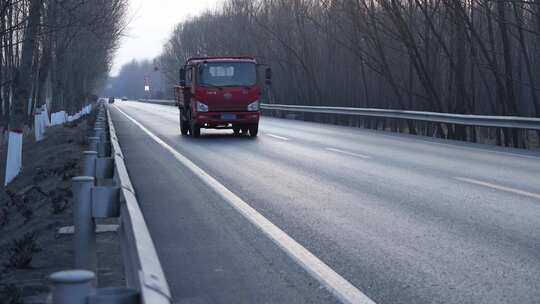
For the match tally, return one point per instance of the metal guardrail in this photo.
(530, 123)
(460, 119)
(144, 270)
(105, 191)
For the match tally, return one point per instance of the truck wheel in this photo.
(195, 130)
(253, 130)
(184, 125)
(236, 131)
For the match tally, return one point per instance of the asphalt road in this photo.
(404, 219)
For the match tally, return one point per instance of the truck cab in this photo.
(220, 93)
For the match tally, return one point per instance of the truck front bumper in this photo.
(223, 119)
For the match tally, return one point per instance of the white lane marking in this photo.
(277, 136)
(347, 153)
(335, 283)
(498, 187)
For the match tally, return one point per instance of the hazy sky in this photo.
(151, 23)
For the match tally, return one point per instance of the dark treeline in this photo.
(130, 81)
(468, 57)
(56, 52)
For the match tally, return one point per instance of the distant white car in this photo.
(124, 98)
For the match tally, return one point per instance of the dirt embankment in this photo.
(34, 206)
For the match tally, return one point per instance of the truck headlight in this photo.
(254, 106)
(201, 107)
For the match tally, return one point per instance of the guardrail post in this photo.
(102, 137)
(114, 295)
(93, 143)
(104, 168)
(72, 286)
(98, 131)
(85, 233)
(105, 202)
(104, 147)
(89, 163)
(100, 122)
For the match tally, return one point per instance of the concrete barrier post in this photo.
(72, 286)
(85, 228)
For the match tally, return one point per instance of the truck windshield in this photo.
(227, 74)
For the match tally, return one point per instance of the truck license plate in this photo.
(228, 116)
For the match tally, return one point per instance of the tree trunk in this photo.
(23, 77)
(22, 82)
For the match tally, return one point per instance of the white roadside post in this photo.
(14, 156)
(38, 125)
(45, 116)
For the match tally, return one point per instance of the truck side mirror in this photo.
(268, 76)
(182, 77)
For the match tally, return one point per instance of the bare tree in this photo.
(56, 52)
(467, 57)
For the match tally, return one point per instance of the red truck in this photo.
(220, 93)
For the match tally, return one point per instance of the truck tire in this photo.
(236, 131)
(195, 130)
(184, 125)
(253, 130)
